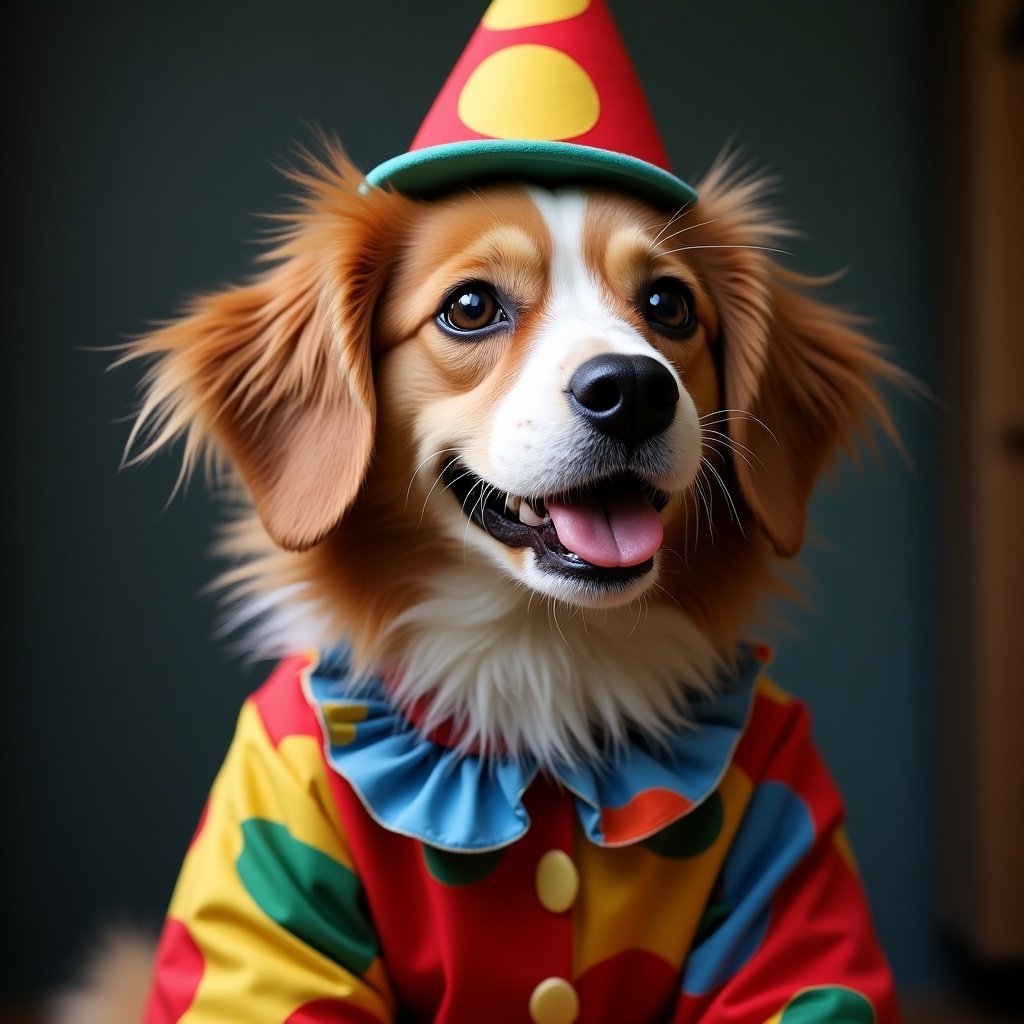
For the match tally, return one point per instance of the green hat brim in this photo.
(426, 173)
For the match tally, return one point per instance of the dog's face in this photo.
(549, 362)
(600, 401)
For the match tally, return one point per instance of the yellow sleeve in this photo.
(267, 922)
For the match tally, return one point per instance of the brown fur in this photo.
(276, 374)
(283, 378)
(313, 385)
(113, 985)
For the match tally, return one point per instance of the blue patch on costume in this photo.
(776, 833)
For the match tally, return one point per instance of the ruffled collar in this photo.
(419, 787)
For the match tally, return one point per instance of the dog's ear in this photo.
(276, 375)
(799, 380)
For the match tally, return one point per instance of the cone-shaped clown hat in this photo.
(543, 92)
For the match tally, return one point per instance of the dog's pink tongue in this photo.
(612, 530)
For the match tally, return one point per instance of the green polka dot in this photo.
(826, 1004)
(310, 895)
(460, 868)
(714, 914)
(692, 834)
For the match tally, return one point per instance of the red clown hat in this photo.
(544, 92)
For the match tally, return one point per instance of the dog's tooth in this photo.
(528, 516)
(512, 503)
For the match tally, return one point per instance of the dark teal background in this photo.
(143, 140)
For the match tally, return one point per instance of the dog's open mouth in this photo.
(608, 530)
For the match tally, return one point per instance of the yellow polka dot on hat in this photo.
(544, 92)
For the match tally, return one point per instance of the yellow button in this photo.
(554, 1001)
(558, 881)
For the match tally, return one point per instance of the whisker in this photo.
(420, 465)
(636, 621)
(465, 541)
(759, 248)
(437, 480)
(481, 504)
(717, 412)
(675, 216)
(686, 532)
(740, 416)
(483, 202)
(553, 616)
(682, 231)
(451, 483)
(725, 490)
(696, 514)
(734, 446)
(457, 479)
(481, 497)
(668, 594)
(707, 500)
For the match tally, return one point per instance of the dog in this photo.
(517, 466)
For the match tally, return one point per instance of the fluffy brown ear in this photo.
(799, 380)
(276, 375)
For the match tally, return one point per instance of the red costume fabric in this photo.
(299, 903)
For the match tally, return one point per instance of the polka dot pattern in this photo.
(529, 92)
(691, 835)
(331, 1011)
(505, 15)
(458, 869)
(542, 71)
(777, 832)
(307, 893)
(179, 970)
(341, 721)
(645, 812)
(824, 1004)
(705, 920)
(651, 979)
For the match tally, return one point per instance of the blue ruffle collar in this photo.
(417, 787)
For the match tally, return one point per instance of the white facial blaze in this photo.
(536, 443)
(535, 436)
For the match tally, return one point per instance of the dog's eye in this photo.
(668, 308)
(471, 308)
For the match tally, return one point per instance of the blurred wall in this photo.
(145, 137)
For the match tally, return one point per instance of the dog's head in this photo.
(599, 401)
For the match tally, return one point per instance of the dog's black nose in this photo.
(630, 398)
